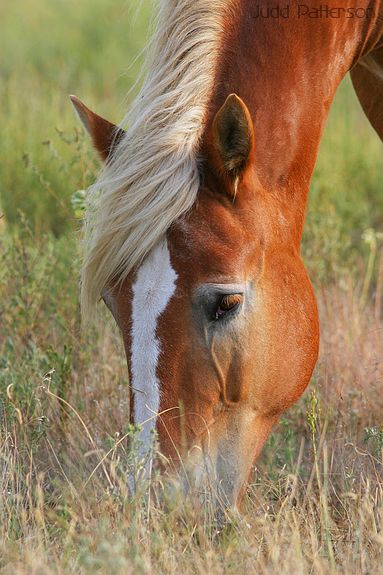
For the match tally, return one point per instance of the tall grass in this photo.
(315, 501)
(50, 49)
(345, 197)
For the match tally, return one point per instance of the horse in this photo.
(194, 225)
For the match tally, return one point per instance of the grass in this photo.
(51, 49)
(315, 502)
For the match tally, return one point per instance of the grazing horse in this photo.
(195, 223)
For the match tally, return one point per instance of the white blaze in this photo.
(154, 286)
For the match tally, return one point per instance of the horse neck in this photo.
(287, 71)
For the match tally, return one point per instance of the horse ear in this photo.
(104, 134)
(232, 140)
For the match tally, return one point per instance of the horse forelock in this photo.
(153, 177)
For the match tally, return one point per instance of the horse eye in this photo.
(226, 304)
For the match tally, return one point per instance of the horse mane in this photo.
(153, 177)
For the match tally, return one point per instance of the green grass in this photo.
(346, 192)
(50, 49)
(315, 502)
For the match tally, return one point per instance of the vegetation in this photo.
(315, 503)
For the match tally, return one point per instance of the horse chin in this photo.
(202, 482)
(217, 466)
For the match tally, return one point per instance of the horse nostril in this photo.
(233, 392)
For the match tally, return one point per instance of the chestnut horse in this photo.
(195, 223)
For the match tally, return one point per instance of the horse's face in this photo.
(222, 316)
(220, 321)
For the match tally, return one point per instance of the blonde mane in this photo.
(153, 178)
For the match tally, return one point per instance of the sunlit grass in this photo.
(50, 49)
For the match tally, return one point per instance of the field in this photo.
(315, 503)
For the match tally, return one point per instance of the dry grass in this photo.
(351, 362)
